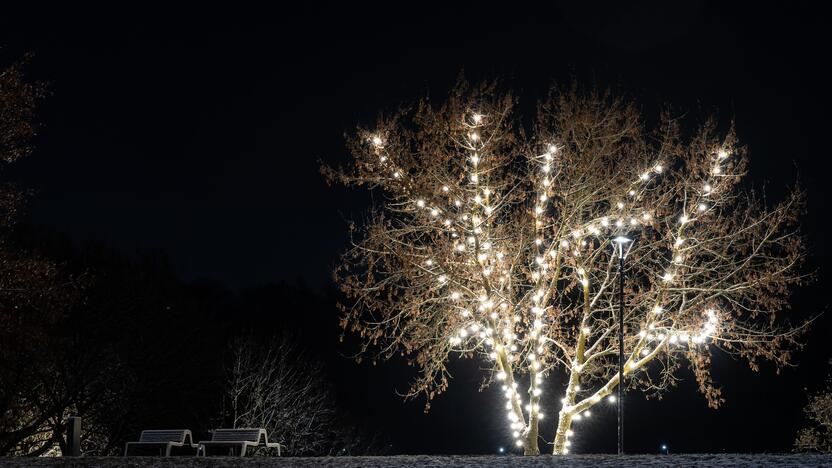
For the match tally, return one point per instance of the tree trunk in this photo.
(564, 423)
(530, 446)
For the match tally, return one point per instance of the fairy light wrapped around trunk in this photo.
(494, 242)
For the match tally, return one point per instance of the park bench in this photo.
(164, 441)
(240, 439)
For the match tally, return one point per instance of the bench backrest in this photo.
(248, 434)
(180, 436)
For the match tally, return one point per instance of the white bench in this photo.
(240, 439)
(164, 440)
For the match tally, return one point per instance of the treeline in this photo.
(127, 345)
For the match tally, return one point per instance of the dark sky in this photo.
(197, 133)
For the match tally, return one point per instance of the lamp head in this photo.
(620, 243)
(622, 240)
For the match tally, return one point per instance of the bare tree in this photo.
(496, 242)
(46, 372)
(275, 385)
(30, 287)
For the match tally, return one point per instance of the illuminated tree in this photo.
(493, 242)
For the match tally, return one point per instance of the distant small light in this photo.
(501, 450)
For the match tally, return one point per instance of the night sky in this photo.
(198, 134)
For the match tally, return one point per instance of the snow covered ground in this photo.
(720, 460)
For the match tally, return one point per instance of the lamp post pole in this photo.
(620, 243)
(621, 353)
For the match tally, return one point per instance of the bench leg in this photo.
(243, 450)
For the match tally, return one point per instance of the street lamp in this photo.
(622, 248)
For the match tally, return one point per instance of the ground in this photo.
(595, 461)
